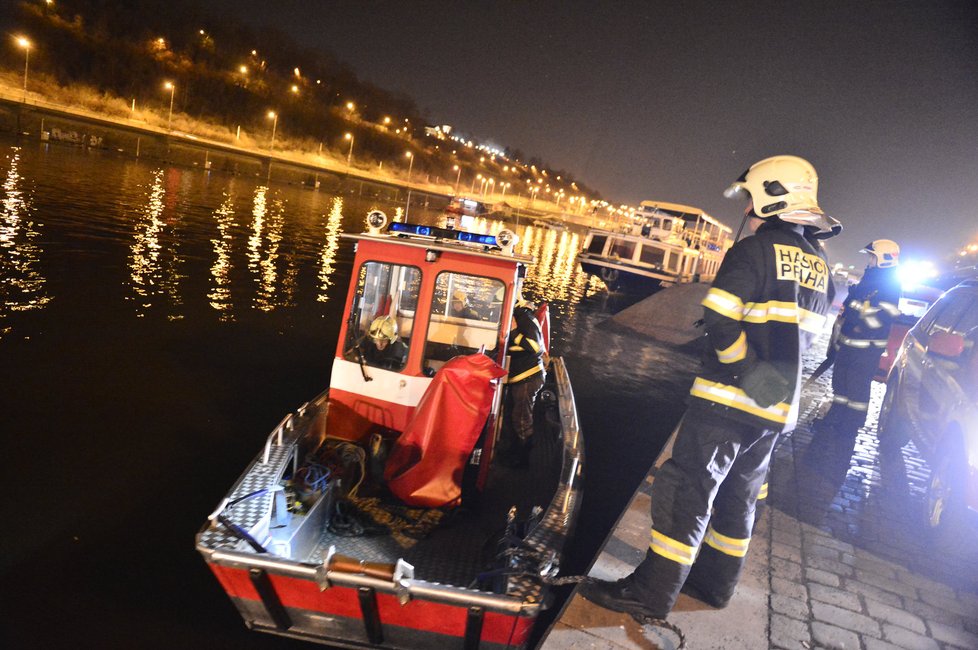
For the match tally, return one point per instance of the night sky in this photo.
(672, 101)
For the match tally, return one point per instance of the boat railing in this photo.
(275, 437)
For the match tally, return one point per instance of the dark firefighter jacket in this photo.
(768, 301)
(525, 346)
(870, 309)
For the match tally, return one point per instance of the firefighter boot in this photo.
(619, 597)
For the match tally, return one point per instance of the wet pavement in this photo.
(841, 557)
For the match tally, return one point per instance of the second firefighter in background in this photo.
(864, 329)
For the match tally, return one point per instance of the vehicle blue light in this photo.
(442, 233)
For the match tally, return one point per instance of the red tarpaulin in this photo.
(425, 466)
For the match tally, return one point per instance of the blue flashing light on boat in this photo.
(442, 233)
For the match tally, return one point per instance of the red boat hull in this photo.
(362, 617)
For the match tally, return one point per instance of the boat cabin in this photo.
(444, 292)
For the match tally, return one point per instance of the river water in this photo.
(156, 322)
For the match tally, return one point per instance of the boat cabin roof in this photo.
(680, 211)
(443, 239)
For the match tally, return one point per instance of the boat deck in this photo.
(452, 547)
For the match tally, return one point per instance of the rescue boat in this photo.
(377, 514)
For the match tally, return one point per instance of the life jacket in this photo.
(767, 303)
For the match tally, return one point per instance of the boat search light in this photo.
(507, 240)
(430, 255)
(375, 221)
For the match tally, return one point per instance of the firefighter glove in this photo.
(765, 385)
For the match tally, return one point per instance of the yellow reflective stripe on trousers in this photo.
(669, 548)
(763, 493)
(727, 545)
(736, 398)
(724, 303)
(736, 352)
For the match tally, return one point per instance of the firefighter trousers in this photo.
(852, 385)
(706, 492)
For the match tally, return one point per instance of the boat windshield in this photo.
(465, 316)
(381, 322)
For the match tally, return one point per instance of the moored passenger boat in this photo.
(666, 244)
(375, 515)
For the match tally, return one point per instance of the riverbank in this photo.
(197, 145)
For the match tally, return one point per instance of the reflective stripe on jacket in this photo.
(870, 308)
(525, 348)
(768, 301)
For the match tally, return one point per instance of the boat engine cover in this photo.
(426, 464)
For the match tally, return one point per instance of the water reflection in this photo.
(556, 277)
(331, 242)
(220, 293)
(22, 285)
(268, 221)
(145, 252)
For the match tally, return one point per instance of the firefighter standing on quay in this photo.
(768, 301)
(864, 329)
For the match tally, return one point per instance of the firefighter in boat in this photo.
(382, 347)
(768, 301)
(866, 317)
(526, 376)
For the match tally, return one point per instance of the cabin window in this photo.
(385, 302)
(597, 244)
(673, 262)
(623, 249)
(465, 317)
(652, 255)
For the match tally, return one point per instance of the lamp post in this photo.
(273, 116)
(169, 119)
(349, 156)
(26, 44)
(407, 207)
(477, 177)
(458, 176)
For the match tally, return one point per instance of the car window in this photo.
(967, 325)
(951, 307)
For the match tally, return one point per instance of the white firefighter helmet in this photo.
(786, 187)
(886, 252)
(383, 328)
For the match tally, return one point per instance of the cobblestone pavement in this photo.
(842, 557)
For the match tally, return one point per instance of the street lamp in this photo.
(477, 177)
(171, 87)
(458, 177)
(409, 156)
(26, 44)
(273, 116)
(349, 156)
(407, 207)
